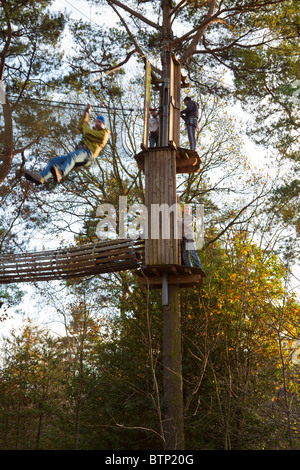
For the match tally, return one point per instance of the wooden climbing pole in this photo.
(163, 268)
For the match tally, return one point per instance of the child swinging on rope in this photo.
(93, 141)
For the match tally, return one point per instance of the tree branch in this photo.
(134, 13)
(231, 223)
(177, 8)
(21, 150)
(137, 47)
(8, 142)
(213, 18)
(7, 42)
(201, 30)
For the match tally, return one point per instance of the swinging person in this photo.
(93, 141)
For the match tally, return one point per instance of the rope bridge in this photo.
(66, 263)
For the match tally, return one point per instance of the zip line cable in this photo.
(66, 104)
(90, 19)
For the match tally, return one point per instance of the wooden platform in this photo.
(187, 161)
(181, 275)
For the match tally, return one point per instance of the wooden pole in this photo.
(172, 351)
(160, 190)
(160, 182)
(172, 361)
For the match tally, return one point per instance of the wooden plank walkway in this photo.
(99, 258)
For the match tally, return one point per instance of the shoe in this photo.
(34, 177)
(57, 174)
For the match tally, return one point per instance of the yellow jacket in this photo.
(93, 139)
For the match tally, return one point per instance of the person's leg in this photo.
(191, 249)
(185, 259)
(191, 130)
(60, 166)
(78, 157)
(55, 161)
(195, 258)
(151, 141)
(66, 163)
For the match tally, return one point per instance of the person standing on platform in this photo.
(190, 115)
(153, 128)
(188, 247)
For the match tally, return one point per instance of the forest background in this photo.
(96, 381)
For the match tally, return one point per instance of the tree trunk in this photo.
(6, 143)
(167, 36)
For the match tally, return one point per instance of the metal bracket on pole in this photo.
(166, 104)
(165, 300)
